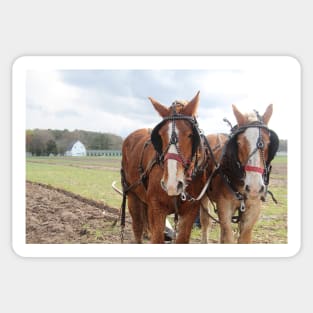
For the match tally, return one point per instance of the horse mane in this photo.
(251, 117)
(178, 106)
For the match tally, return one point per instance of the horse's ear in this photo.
(191, 107)
(160, 108)
(267, 114)
(239, 116)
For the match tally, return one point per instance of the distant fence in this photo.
(108, 153)
(118, 153)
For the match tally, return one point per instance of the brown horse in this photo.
(162, 170)
(240, 181)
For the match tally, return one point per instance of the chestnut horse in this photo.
(241, 178)
(162, 170)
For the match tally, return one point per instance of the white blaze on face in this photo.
(175, 173)
(253, 179)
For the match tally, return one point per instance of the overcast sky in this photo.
(116, 101)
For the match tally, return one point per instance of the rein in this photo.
(126, 188)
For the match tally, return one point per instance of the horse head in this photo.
(253, 146)
(176, 140)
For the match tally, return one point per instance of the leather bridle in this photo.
(163, 154)
(265, 171)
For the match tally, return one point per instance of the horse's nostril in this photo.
(180, 186)
(247, 188)
(163, 185)
(261, 189)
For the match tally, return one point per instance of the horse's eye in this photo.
(190, 135)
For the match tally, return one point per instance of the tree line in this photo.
(43, 142)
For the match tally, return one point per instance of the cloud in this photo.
(116, 101)
(126, 92)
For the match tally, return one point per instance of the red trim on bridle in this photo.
(176, 157)
(249, 168)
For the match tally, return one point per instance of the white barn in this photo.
(76, 149)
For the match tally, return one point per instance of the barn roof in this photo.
(70, 146)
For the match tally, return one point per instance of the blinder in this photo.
(156, 138)
(231, 167)
(273, 145)
(232, 146)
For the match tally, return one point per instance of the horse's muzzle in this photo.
(173, 190)
(253, 193)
